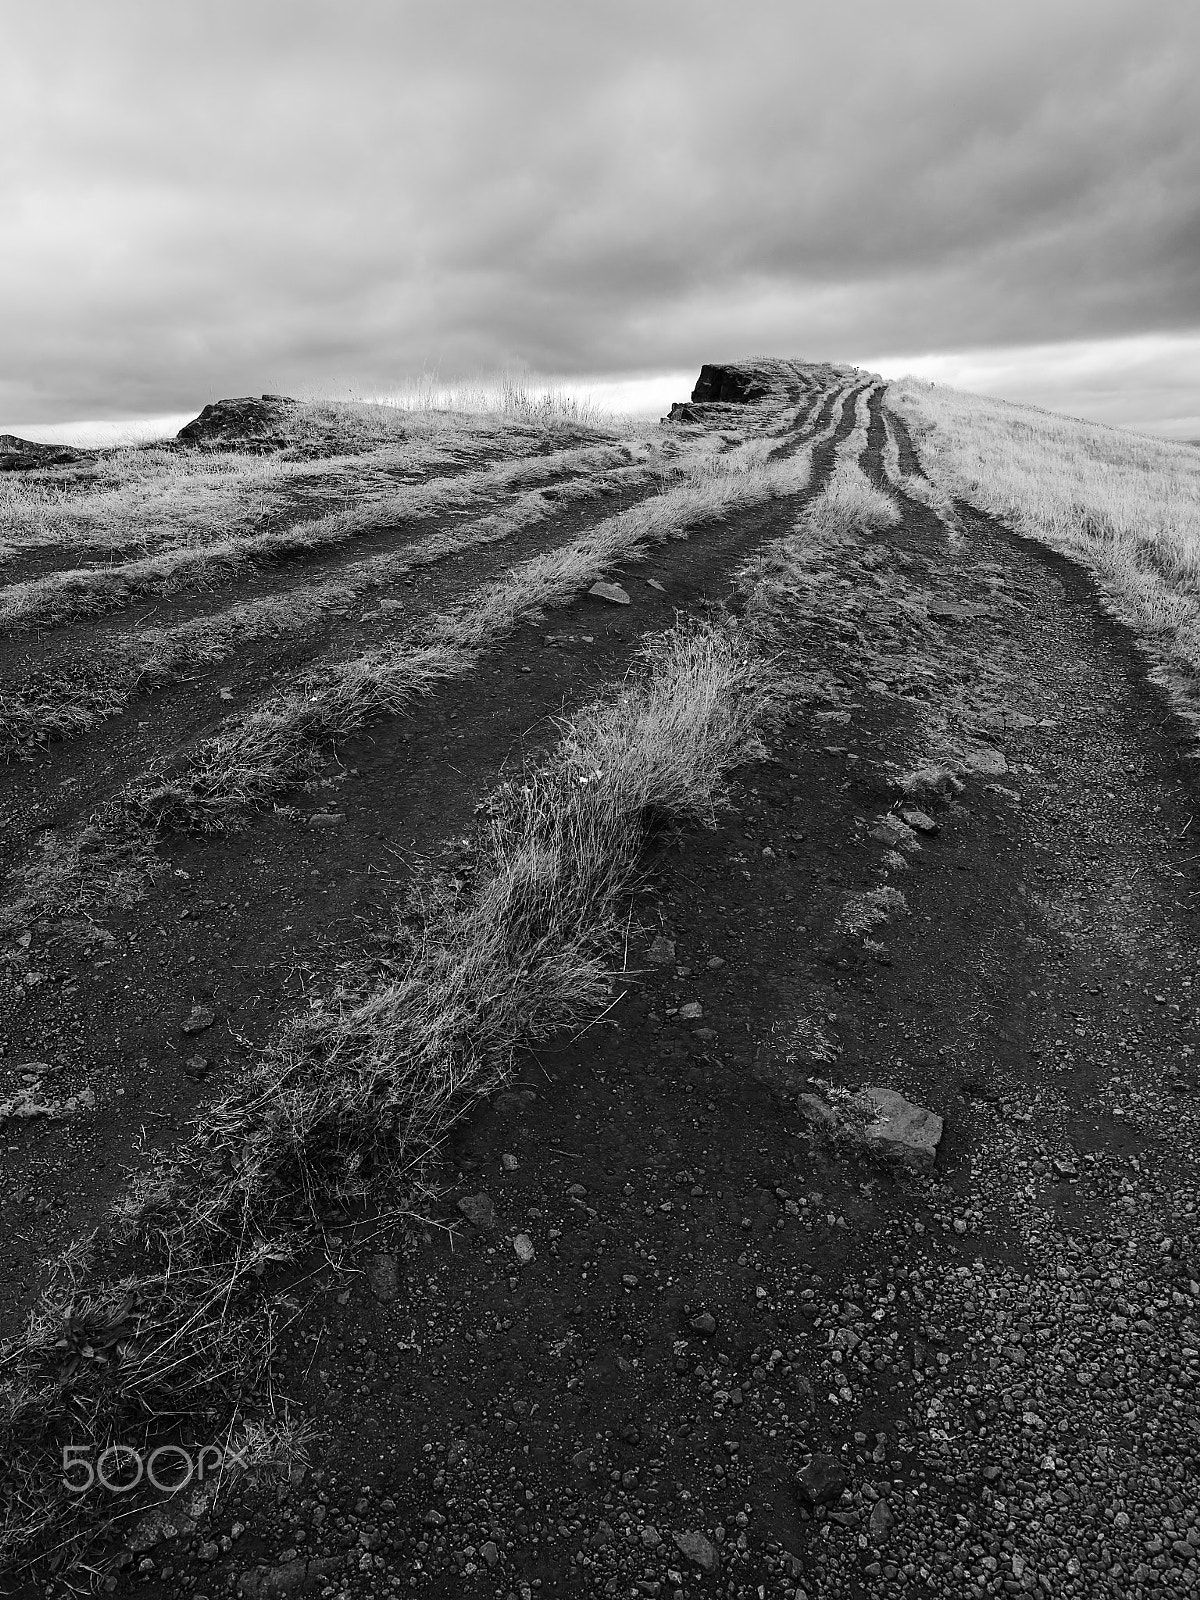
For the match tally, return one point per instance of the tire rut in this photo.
(70, 778)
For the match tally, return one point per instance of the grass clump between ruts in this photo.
(525, 951)
(61, 705)
(275, 743)
(63, 596)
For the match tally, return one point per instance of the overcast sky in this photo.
(297, 196)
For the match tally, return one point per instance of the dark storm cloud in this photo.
(291, 195)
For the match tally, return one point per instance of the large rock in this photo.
(22, 455)
(821, 1479)
(267, 1583)
(726, 386)
(253, 422)
(900, 1130)
(612, 592)
(707, 412)
(983, 759)
(881, 1522)
(697, 1548)
(737, 383)
(878, 1120)
(479, 1211)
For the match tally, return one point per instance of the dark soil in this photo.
(715, 1295)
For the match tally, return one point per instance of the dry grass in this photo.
(1128, 507)
(65, 704)
(789, 576)
(928, 492)
(272, 745)
(523, 953)
(162, 495)
(267, 748)
(545, 406)
(94, 591)
(168, 496)
(891, 451)
(159, 654)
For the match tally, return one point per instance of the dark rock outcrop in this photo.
(724, 387)
(738, 383)
(707, 413)
(21, 455)
(253, 422)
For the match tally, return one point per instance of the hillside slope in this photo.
(655, 1319)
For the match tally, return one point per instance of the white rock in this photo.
(920, 820)
(612, 592)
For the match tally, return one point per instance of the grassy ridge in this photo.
(109, 859)
(1125, 505)
(166, 495)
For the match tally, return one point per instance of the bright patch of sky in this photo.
(1150, 382)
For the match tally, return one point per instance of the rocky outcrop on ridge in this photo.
(726, 385)
(251, 422)
(23, 455)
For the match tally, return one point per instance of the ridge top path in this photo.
(694, 1346)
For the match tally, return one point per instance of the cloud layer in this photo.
(297, 194)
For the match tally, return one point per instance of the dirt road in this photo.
(735, 1358)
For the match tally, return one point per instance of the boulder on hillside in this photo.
(253, 422)
(22, 455)
(709, 413)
